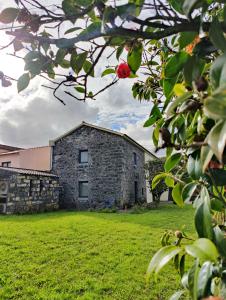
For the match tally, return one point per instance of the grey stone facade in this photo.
(114, 180)
(23, 191)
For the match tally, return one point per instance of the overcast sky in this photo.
(35, 116)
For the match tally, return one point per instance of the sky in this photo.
(34, 116)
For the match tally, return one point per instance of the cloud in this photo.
(42, 119)
(34, 117)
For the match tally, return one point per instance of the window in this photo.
(41, 186)
(32, 187)
(6, 164)
(134, 158)
(83, 189)
(83, 156)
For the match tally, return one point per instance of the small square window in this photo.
(83, 156)
(134, 158)
(83, 189)
(6, 164)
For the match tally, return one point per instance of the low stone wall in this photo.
(28, 193)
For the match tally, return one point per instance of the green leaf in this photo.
(175, 64)
(80, 89)
(9, 15)
(217, 205)
(188, 191)
(177, 102)
(70, 9)
(193, 69)
(215, 105)
(177, 295)
(119, 51)
(205, 157)
(204, 280)
(162, 257)
(216, 139)
(182, 265)
(77, 61)
(169, 181)
(172, 162)
(154, 115)
(87, 67)
(190, 5)
(83, 3)
(134, 57)
(61, 53)
(177, 195)
(32, 55)
(157, 179)
(108, 71)
(193, 279)
(186, 38)
(92, 30)
(194, 167)
(217, 35)
(203, 249)
(168, 85)
(220, 241)
(218, 71)
(150, 121)
(64, 43)
(72, 30)
(177, 5)
(125, 10)
(23, 82)
(203, 221)
(65, 64)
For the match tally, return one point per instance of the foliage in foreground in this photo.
(177, 51)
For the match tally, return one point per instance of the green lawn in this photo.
(85, 255)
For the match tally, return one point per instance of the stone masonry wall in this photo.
(107, 170)
(29, 193)
(132, 173)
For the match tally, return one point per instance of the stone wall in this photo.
(110, 171)
(153, 168)
(28, 193)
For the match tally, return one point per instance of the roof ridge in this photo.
(83, 123)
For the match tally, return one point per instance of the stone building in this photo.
(99, 168)
(23, 191)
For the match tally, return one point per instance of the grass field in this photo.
(85, 255)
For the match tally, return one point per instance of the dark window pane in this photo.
(83, 189)
(134, 158)
(83, 156)
(6, 164)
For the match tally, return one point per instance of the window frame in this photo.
(8, 164)
(80, 156)
(79, 189)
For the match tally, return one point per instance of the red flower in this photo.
(123, 70)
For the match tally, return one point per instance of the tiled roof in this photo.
(9, 148)
(27, 171)
(125, 136)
